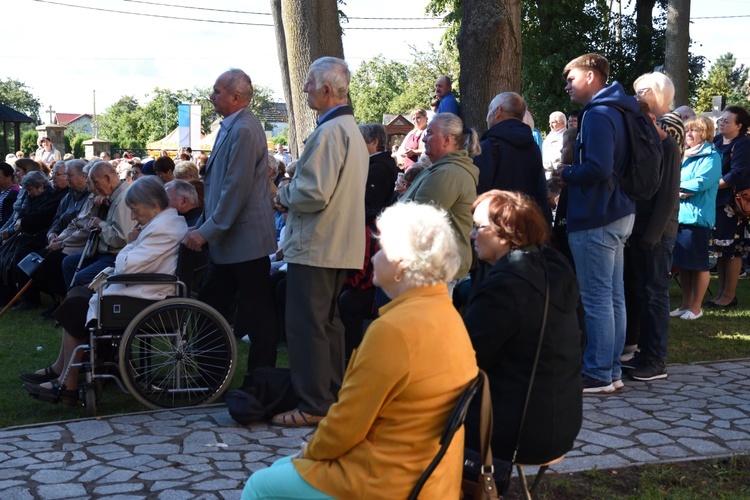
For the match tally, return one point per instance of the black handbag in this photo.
(30, 263)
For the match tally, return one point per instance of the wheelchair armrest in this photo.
(138, 278)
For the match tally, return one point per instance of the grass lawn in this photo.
(28, 343)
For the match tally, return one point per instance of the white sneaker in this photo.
(688, 314)
(617, 384)
(677, 313)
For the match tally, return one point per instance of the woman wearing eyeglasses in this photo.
(729, 240)
(657, 90)
(504, 317)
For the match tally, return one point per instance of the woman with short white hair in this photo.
(402, 382)
(657, 90)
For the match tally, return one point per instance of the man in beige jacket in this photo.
(325, 237)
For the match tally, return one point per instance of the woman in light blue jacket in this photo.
(699, 183)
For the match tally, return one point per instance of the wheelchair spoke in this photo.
(179, 354)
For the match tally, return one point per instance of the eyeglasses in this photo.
(478, 228)
(643, 90)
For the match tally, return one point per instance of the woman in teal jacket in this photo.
(699, 183)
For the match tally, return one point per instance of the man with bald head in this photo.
(113, 231)
(237, 222)
(444, 92)
(510, 159)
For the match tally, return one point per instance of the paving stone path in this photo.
(700, 411)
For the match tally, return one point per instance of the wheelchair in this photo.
(171, 353)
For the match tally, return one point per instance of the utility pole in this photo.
(95, 122)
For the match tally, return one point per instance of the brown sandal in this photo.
(296, 418)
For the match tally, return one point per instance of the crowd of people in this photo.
(394, 273)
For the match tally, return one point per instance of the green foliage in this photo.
(556, 31)
(724, 78)
(29, 142)
(282, 138)
(16, 95)
(451, 12)
(375, 87)
(130, 125)
(119, 122)
(76, 145)
(425, 68)
(388, 87)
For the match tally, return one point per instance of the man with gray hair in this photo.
(553, 142)
(184, 198)
(325, 237)
(113, 230)
(510, 159)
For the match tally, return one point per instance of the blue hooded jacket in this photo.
(595, 197)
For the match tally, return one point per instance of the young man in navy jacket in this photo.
(600, 215)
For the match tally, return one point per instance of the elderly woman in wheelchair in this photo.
(153, 245)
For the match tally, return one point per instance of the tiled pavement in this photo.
(700, 411)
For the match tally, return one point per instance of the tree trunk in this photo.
(489, 44)
(284, 64)
(676, 54)
(311, 30)
(644, 34)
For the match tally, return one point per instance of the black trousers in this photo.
(315, 335)
(247, 283)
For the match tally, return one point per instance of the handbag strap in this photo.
(486, 485)
(536, 357)
(485, 421)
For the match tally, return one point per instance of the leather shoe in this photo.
(732, 304)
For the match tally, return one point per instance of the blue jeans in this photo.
(598, 254)
(280, 481)
(652, 285)
(89, 269)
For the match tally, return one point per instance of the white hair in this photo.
(334, 72)
(558, 116)
(422, 238)
(660, 85)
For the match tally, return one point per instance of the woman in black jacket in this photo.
(504, 318)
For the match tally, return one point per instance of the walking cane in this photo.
(89, 241)
(28, 265)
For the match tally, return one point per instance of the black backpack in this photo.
(643, 169)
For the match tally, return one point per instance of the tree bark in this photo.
(644, 34)
(311, 30)
(677, 62)
(284, 64)
(489, 44)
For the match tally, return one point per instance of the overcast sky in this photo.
(64, 53)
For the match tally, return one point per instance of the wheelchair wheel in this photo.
(177, 352)
(90, 400)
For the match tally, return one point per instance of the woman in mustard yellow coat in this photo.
(401, 383)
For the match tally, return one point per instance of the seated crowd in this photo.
(414, 265)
